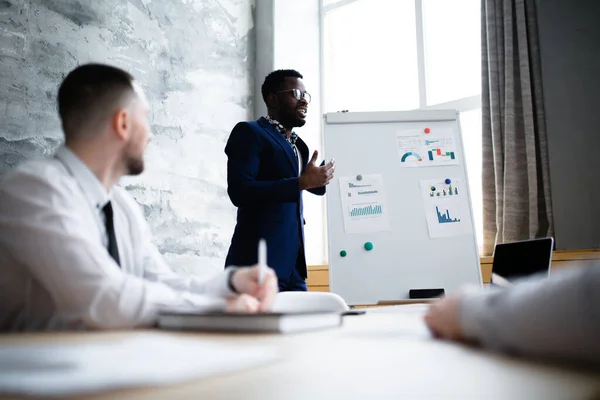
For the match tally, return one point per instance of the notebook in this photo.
(261, 322)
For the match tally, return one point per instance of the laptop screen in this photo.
(524, 258)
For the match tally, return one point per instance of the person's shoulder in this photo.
(243, 132)
(43, 182)
(247, 125)
(43, 170)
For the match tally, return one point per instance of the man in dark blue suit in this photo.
(268, 167)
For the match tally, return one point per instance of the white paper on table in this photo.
(364, 204)
(407, 323)
(144, 359)
(419, 149)
(446, 207)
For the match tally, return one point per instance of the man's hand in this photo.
(314, 176)
(245, 281)
(242, 304)
(443, 318)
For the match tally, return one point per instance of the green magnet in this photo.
(343, 253)
(368, 246)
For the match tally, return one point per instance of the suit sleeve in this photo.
(243, 151)
(319, 191)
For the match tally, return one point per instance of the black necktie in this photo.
(113, 250)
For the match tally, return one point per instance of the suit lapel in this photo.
(282, 142)
(303, 149)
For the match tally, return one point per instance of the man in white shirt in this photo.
(555, 318)
(75, 250)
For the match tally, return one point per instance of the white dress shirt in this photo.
(55, 269)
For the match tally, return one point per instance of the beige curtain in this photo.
(516, 182)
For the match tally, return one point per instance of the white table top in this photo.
(387, 353)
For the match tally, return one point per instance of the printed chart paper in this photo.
(416, 148)
(446, 207)
(364, 204)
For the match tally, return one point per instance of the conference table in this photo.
(385, 354)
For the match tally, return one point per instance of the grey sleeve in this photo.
(553, 318)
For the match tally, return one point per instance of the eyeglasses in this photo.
(298, 94)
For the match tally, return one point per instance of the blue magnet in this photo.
(448, 181)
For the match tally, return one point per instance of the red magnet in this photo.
(427, 130)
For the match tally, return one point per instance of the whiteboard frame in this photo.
(392, 116)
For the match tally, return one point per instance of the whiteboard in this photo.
(404, 255)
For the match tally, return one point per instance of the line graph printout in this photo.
(364, 204)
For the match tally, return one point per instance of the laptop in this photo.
(521, 259)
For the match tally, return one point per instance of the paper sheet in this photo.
(419, 149)
(364, 204)
(446, 207)
(141, 360)
(405, 324)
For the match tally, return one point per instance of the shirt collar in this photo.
(280, 128)
(91, 186)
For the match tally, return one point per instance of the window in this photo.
(452, 49)
(359, 35)
(381, 55)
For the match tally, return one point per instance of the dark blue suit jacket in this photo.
(262, 181)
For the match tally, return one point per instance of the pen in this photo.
(262, 260)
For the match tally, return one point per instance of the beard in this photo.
(292, 120)
(134, 165)
(299, 122)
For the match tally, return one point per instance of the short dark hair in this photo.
(275, 79)
(89, 91)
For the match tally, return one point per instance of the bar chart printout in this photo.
(364, 204)
(445, 205)
(370, 210)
